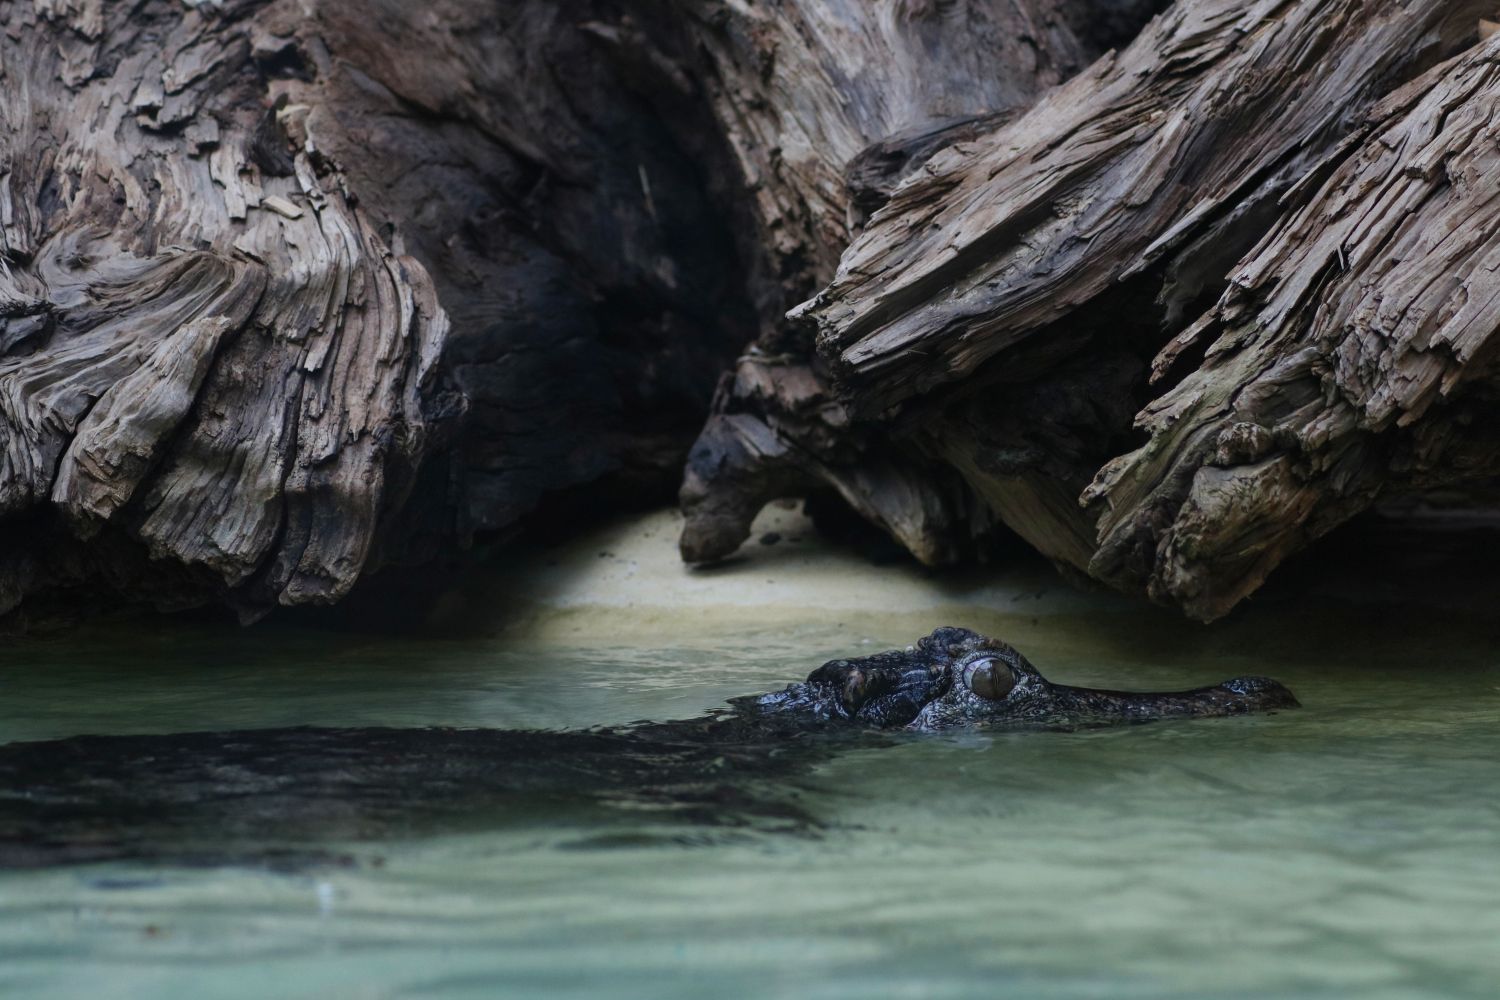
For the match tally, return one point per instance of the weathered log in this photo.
(232, 240)
(828, 107)
(1353, 354)
(288, 290)
(1183, 135)
(1001, 309)
(207, 345)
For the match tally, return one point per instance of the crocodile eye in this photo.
(989, 679)
(855, 687)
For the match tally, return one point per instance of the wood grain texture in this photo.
(828, 106)
(1001, 310)
(1353, 354)
(290, 290)
(208, 348)
(1009, 290)
(1217, 106)
(294, 289)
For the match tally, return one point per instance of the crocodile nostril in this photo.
(989, 679)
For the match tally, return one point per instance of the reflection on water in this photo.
(1349, 848)
(276, 797)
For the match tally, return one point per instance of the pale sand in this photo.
(626, 580)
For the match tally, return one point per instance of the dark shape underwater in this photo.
(273, 796)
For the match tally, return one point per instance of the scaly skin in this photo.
(279, 796)
(955, 677)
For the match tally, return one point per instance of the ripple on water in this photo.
(1349, 848)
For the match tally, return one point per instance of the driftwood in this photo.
(289, 291)
(1353, 354)
(1187, 132)
(1052, 253)
(999, 313)
(205, 341)
(829, 107)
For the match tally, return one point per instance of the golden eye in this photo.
(855, 686)
(989, 679)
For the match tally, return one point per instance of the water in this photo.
(1351, 848)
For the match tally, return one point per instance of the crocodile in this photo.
(280, 796)
(955, 677)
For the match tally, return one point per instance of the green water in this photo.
(1351, 848)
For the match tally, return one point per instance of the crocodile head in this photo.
(955, 677)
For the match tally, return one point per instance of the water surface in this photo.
(1351, 848)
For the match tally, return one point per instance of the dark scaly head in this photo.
(955, 677)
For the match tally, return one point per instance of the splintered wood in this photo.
(291, 289)
(1354, 352)
(984, 306)
(1000, 309)
(827, 106)
(1126, 165)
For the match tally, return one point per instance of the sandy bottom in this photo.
(625, 580)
